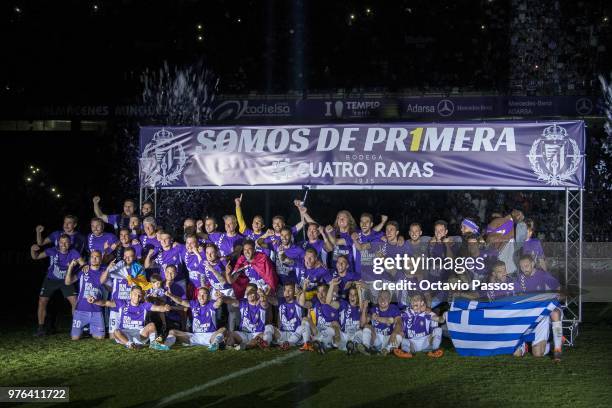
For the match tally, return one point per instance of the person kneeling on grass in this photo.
(132, 331)
(420, 330)
(252, 329)
(204, 310)
(379, 335)
(293, 329)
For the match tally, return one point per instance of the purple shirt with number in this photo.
(204, 317)
(252, 317)
(89, 285)
(58, 262)
(384, 328)
(132, 317)
(289, 316)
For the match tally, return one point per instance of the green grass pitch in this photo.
(104, 374)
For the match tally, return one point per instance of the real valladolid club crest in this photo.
(163, 159)
(554, 157)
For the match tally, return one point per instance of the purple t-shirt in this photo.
(346, 250)
(318, 245)
(348, 277)
(252, 317)
(97, 243)
(204, 317)
(120, 290)
(89, 285)
(383, 328)
(315, 276)
(373, 236)
(77, 240)
(416, 324)
(350, 317)
(149, 243)
(539, 281)
(118, 221)
(226, 244)
(325, 314)
(195, 268)
(177, 290)
(250, 234)
(132, 317)
(58, 262)
(219, 267)
(162, 258)
(289, 316)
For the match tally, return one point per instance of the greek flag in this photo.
(499, 327)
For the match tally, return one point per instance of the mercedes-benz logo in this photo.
(584, 106)
(446, 107)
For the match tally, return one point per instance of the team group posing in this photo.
(256, 287)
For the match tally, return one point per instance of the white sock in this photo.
(268, 333)
(152, 337)
(367, 337)
(305, 328)
(557, 330)
(170, 340)
(436, 338)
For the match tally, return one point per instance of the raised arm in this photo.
(230, 301)
(383, 220)
(97, 210)
(239, 216)
(333, 285)
(39, 239)
(364, 320)
(35, 254)
(177, 300)
(302, 297)
(261, 240)
(327, 244)
(70, 279)
(148, 261)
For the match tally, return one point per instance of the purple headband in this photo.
(470, 224)
(504, 229)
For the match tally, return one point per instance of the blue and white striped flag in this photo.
(499, 327)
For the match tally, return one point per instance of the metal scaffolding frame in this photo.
(572, 311)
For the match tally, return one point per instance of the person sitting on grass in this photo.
(252, 329)
(87, 314)
(204, 329)
(420, 331)
(323, 318)
(378, 326)
(132, 331)
(293, 329)
(349, 312)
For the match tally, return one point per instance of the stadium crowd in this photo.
(244, 286)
